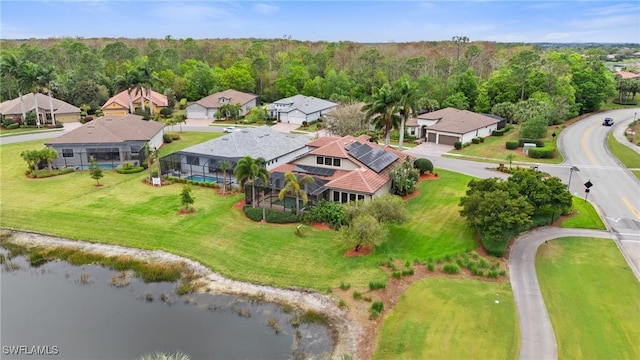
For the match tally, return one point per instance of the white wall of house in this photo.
(272, 163)
(482, 132)
(312, 160)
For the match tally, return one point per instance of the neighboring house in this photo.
(62, 111)
(118, 105)
(627, 75)
(343, 168)
(446, 126)
(207, 107)
(299, 108)
(260, 142)
(110, 140)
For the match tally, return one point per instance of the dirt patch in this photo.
(363, 251)
(239, 204)
(321, 226)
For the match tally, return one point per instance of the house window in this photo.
(103, 154)
(352, 197)
(336, 196)
(360, 197)
(67, 153)
(319, 160)
(345, 197)
(412, 131)
(336, 162)
(193, 160)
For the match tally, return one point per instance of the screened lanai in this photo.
(197, 167)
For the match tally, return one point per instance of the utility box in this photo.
(527, 146)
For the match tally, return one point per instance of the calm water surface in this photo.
(76, 311)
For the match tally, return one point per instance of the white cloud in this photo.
(265, 9)
(190, 11)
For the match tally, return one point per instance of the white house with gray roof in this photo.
(202, 161)
(299, 108)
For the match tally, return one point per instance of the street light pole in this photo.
(571, 170)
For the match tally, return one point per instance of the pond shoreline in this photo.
(346, 331)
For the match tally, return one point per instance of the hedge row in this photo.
(271, 216)
(133, 170)
(511, 144)
(539, 143)
(499, 132)
(542, 153)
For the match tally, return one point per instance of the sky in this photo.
(577, 21)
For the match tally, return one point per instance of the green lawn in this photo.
(586, 216)
(440, 318)
(628, 157)
(494, 148)
(127, 212)
(592, 297)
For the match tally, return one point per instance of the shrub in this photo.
(492, 273)
(166, 112)
(423, 165)
(466, 144)
(512, 144)
(305, 123)
(345, 286)
(475, 140)
(407, 272)
(542, 153)
(167, 138)
(182, 104)
(522, 141)
(397, 274)
(374, 285)
(328, 212)
(431, 267)
(451, 268)
(357, 295)
(15, 125)
(271, 216)
(133, 170)
(377, 307)
(457, 145)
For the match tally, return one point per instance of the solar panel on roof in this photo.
(314, 170)
(360, 151)
(383, 161)
(353, 145)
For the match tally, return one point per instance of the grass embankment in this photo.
(440, 318)
(586, 216)
(493, 148)
(592, 298)
(627, 157)
(125, 211)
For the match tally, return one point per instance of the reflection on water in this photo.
(76, 312)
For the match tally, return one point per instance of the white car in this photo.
(231, 129)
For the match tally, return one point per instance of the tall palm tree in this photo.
(46, 76)
(407, 104)
(224, 166)
(128, 82)
(248, 170)
(381, 110)
(144, 79)
(295, 186)
(13, 67)
(28, 79)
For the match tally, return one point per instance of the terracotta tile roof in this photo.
(322, 141)
(13, 107)
(457, 121)
(627, 75)
(235, 97)
(122, 98)
(111, 129)
(361, 180)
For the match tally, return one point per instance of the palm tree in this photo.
(381, 110)
(224, 166)
(13, 67)
(46, 76)
(408, 105)
(248, 170)
(145, 78)
(128, 82)
(295, 186)
(49, 155)
(510, 158)
(28, 79)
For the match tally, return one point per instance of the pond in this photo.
(61, 311)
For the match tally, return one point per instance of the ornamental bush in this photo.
(457, 145)
(512, 144)
(542, 153)
(423, 165)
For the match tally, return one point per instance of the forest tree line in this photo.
(478, 76)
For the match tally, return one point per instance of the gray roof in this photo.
(232, 97)
(457, 121)
(13, 107)
(306, 104)
(255, 142)
(111, 129)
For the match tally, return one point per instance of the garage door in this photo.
(448, 139)
(194, 114)
(431, 137)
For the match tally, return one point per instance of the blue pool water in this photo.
(205, 179)
(102, 166)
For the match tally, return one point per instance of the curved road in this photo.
(615, 194)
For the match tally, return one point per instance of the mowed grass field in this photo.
(627, 156)
(125, 211)
(592, 297)
(586, 216)
(438, 318)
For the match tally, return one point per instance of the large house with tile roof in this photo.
(343, 168)
(62, 111)
(118, 105)
(110, 140)
(207, 107)
(299, 108)
(449, 125)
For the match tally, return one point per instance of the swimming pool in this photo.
(205, 179)
(101, 166)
